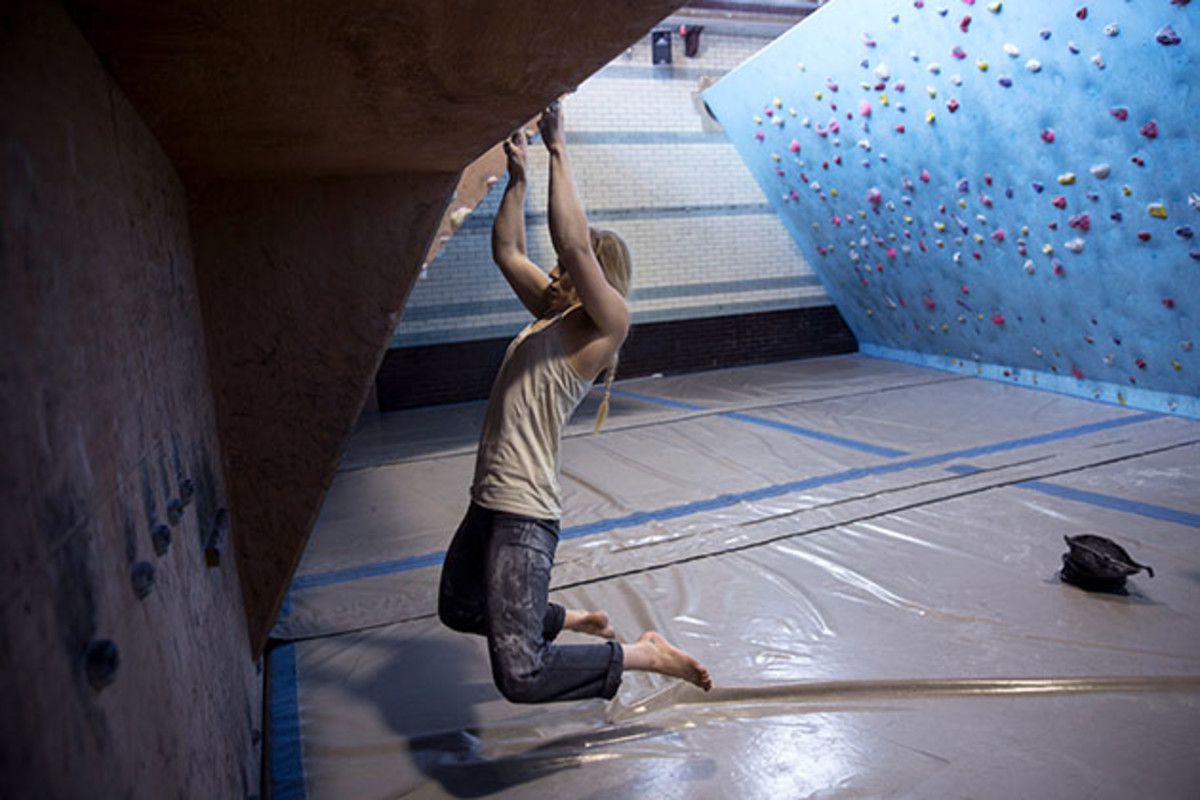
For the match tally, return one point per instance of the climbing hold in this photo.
(956, 80)
(1047, 248)
(1080, 222)
(1067, 178)
(1004, 81)
(101, 663)
(952, 105)
(1074, 48)
(1057, 268)
(1098, 60)
(1111, 29)
(982, 64)
(777, 102)
(1149, 129)
(934, 67)
(1101, 171)
(1125, 190)
(775, 157)
(1012, 50)
(1076, 372)
(1044, 33)
(874, 196)
(882, 72)
(1029, 267)
(1048, 135)
(1157, 210)
(759, 135)
(1081, 12)
(1167, 36)
(1120, 112)
(794, 146)
(1074, 245)
(995, 7)
(900, 86)
(963, 185)
(958, 53)
(1033, 65)
(998, 235)
(998, 318)
(1037, 187)
(864, 108)
(1168, 302)
(1144, 235)
(1183, 232)
(1140, 362)
(964, 23)
(1194, 201)
(1059, 201)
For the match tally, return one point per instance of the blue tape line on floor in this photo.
(287, 761)
(811, 433)
(726, 500)
(1114, 503)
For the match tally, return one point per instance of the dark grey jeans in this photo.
(496, 583)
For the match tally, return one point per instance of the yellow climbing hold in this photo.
(983, 65)
(883, 99)
(1176, 364)
(817, 94)
(945, 328)
(774, 156)
(865, 85)
(932, 91)
(833, 192)
(1127, 190)
(929, 116)
(1157, 210)
(907, 219)
(979, 317)
(778, 103)
(978, 239)
(1120, 398)
(870, 313)
(862, 214)
(1067, 178)
(1024, 230)
(995, 7)
(1047, 248)
(962, 203)
(757, 119)
(939, 226)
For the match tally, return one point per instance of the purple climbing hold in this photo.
(1149, 130)
(1074, 48)
(1183, 232)
(1167, 36)
(1008, 193)
(1038, 187)
(1044, 33)
(1116, 216)
(1081, 12)
(963, 185)
(1195, 254)
(1004, 81)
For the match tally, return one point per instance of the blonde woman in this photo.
(496, 578)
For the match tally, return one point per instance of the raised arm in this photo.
(508, 233)
(570, 237)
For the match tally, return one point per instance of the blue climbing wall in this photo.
(1005, 189)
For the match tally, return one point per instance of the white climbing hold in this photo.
(1074, 245)
(1012, 50)
(1033, 65)
(1101, 171)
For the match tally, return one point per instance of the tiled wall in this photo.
(705, 241)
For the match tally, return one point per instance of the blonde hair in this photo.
(613, 255)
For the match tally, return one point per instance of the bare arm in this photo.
(569, 234)
(508, 233)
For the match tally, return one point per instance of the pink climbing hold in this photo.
(964, 289)
(898, 86)
(1120, 112)
(998, 318)
(864, 108)
(1081, 12)
(1077, 372)
(925, 175)
(1059, 201)
(998, 235)
(930, 303)
(900, 128)
(794, 147)
(874, 196)
(1168, 302)
(1141, 363)
(834, 127)
(759, 135)
(959, 53)
(795, 195)
(1080, 222)
(1149, 130)
(1056, 266)
(891, 252)
(965, 23)
(837, 160)
(952, 104)
(1048, 135)
(770, 112)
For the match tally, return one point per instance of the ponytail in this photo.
(602, 414)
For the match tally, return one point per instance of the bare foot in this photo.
(652, 653)
(593, 623)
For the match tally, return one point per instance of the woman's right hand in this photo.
(516, 148)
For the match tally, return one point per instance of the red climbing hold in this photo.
(1081, 12)
(1120, 113)
(1144, 235)
(1149, 130)
(1168, 302)
(998, 318)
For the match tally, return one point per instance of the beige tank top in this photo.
(533, 396)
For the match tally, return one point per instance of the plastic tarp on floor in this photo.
(863, 553)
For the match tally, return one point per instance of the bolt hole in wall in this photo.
(1004, 189)
(652, 164)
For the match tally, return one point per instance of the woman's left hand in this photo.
(551, 125)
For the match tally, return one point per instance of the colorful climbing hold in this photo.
(1144, 235)
(952, 105)
(1047, 135)
(1100, 171)
(982, 64)
(1037, 187)
(1157, 210)
(1149, 129)
(964, 23)
(998, 318)
(1168, 302)
(1167, 36)
(794, 146)
(1111, 29)
(1067, 178)
(1059, 201)
(958, 52)
(1184, 232)
(1081, 12)
(1005, 81)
